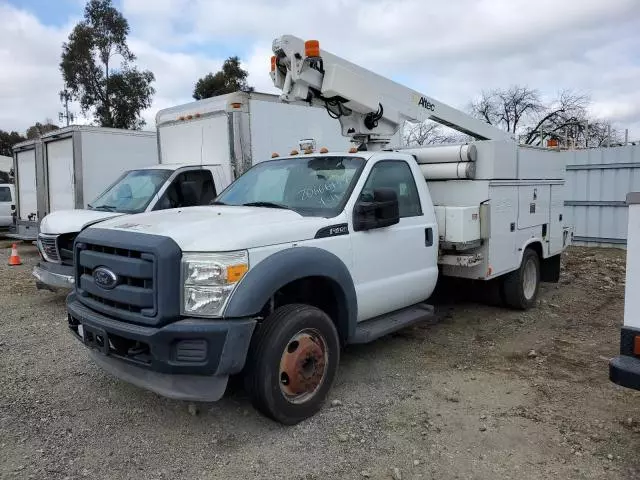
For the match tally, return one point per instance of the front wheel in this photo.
(520, 287)
(293, 360)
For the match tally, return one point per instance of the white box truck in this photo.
(203, 144)
(305, 254)
(67, 168)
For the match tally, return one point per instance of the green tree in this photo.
(8, 140)
(231, 78)
(39, 129)
(114, 94)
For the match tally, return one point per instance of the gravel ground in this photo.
(483, 393)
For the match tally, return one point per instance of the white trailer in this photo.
(67, 168)
(238, 129)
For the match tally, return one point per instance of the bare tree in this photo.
(428, 133)
(521, 111)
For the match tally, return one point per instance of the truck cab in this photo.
(159, 187)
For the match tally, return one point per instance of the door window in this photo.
(396, 175)
(5, 194)
(189, 189)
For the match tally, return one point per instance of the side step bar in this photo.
(377, 327)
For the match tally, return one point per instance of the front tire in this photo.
(520, 287)
(292, 362)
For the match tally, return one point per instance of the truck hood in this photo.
(70, 221)
(223, 228)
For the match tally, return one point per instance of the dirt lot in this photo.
(464, 397)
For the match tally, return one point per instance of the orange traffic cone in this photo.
(14, 259)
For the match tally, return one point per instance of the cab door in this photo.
(394, 266)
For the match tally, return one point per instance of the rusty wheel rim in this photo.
(303, 366)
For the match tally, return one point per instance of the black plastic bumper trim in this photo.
(227, 340)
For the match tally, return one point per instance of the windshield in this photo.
(132, 192)
(311, 186)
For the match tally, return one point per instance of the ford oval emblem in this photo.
(105, 278)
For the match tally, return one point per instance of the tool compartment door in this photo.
(533, 205)
(556, 221)
(27, 197)
(60, 174)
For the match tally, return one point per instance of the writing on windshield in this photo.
(314, 186)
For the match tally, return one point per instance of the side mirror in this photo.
(381, 212)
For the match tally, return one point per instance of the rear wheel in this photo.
(293, 359)
(520, 287)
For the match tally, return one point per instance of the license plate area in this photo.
(95, 338)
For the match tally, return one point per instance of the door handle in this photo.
(428, 237)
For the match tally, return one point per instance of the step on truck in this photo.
(308, 252)
(201, 148)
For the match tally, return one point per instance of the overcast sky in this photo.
(448, 49)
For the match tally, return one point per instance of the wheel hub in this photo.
(302, 365)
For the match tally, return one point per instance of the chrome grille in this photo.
(49, 247)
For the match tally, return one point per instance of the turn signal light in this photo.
(324, 150)
(312, 48)
(273, 63)
(353, 150)
(275, 155)
(294, 152)
(236, 105)
(636, 345)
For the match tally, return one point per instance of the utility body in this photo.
(309, 252)
(200, 148)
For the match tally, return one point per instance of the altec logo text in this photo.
(424, 103)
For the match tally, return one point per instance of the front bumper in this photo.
(190, 359)
(53, 275)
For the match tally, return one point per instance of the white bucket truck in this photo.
(202, 146)
(306, 253)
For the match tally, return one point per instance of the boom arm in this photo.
(370, 108)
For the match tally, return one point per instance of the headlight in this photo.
(209, 279)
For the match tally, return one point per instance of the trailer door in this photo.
(27, 197)
(60, 176)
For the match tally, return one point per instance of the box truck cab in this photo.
(142, 190)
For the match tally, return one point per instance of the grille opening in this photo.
(49, 247)
(65, 247)
(120, 252)
(113, 304)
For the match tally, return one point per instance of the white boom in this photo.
(370, 108)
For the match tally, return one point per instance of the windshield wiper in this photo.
(267, 205)
(109, 208)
